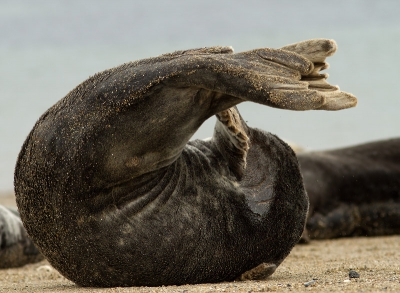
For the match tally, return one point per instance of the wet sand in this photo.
(322, 266)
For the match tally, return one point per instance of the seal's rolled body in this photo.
(113, 194)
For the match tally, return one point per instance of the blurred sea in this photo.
(49, 47)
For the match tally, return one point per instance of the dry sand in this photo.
(325, 265)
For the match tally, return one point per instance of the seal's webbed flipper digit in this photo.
(338, 100)
(315, 50)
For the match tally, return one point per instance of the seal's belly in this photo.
(192, 216)
(194, 198)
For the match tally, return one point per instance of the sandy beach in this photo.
(322, 266)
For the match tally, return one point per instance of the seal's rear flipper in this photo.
(260, 272)
(230, 137)
(317, 50)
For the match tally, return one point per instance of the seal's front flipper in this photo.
(260, 272)
(230, 137)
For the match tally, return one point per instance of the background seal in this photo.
(353, 191)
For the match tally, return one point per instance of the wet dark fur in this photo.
(113, 194)
(353, 191)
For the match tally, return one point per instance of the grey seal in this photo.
(114, 194)
(16, 249)
(353, 191)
